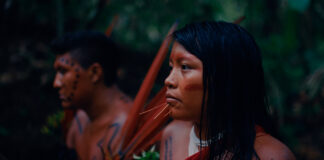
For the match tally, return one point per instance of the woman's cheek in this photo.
(195, 95)
(193, 87)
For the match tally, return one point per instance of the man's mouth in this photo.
(62, 97)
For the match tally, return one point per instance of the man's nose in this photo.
(57, 81)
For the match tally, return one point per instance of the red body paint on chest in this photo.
(193, 87)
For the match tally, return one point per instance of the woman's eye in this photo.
(185, 67)
(170, 68)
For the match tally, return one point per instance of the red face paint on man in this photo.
(70, 80)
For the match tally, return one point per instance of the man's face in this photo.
(72, 81)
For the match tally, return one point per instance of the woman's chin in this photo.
(179, 116)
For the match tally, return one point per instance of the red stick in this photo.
(112, 25)
(238, 21)
(131, 123)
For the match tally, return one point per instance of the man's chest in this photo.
(91, 145)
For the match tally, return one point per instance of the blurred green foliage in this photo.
(53, 123)
(289, 33)
(151, 154)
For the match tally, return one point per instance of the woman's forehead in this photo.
(179, 53)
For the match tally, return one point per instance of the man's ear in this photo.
(96, 72)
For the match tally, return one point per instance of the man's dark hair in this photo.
(234, 90)
(88, 47)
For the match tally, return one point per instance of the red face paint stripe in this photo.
(193, 87)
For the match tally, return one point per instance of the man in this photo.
(86, 65)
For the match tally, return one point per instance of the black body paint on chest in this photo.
(78, 123)
(116, 127)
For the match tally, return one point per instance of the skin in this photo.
(184, 84)
(184, 95)
(174, 143)
(101, 109)
(72, 82)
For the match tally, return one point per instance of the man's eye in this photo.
(61, 70)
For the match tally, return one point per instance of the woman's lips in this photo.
(172, 100)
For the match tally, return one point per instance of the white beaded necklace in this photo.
(195, 143)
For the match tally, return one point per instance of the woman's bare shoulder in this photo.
(270, 148)
(175, 138)
(177, 127)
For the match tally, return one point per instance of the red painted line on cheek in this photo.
(193, 87)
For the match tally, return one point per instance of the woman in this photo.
(216, 85)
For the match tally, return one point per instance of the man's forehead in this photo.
(65, 55)
(65, 59)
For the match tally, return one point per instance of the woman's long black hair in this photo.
(234, 90)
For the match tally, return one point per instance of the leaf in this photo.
(136, 157)
(152, 149)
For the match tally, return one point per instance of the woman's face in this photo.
(184, 84)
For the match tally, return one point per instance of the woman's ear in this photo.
(96, 72)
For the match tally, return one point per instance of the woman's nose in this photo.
(170, 81)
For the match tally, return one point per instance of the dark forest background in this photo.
(289, 32)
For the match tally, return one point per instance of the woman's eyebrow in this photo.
(183, 57)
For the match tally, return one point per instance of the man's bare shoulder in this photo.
(82, 115)
(125, 101)
(81, 119)
(270, 148)
(76, 129)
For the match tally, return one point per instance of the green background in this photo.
(289, 33)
